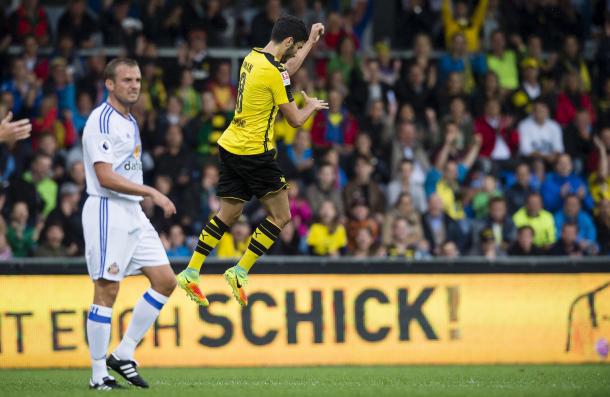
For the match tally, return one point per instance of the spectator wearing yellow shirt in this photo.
(327, 237)
(503, 62)
(538, 219)
(456, 19)
(599, 181)
(235, 243)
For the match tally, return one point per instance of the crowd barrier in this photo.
(321, 311)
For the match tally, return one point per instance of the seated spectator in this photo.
(208, 126)
(299, 208)
(489, 190)
(325, 189)
(20, 236)
(414, 90)
(334, 126)
(30, 18)
(449, 250)
(572, 60)
(578, 139)
(406, 241)
(68, 216)
(540, 136)
(363, 188)
(499, 140)
(406, 145)
(378, 125)
(24, 87)
(599, 180)
(540, 220)
(220, 86)
(360, 217)
(51, 122)
(208, 201)
(402, 209)
(190, 98)
(365, 245)
(503, 61)
(288, 243)
(487, 90)
(234, 244)
(559, 184)
(439, 227)
(499, 222)
(363, 148)
(460, 59)
(602, 226)
(327, 236)
(40, 175)
(572, 213)
(422, 54)
(404, 183)
(524, 245)
(35, 62)
(572, 98)
(176, 243)
(153, 88)
(567, 245)
(459, 115)
(51, 245)
(296, 160)
(487, 246)
(345, 59)
(529, 90)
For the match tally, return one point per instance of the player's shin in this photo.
(262, 239)
(208, 239)
(144, 315)
(98, 338)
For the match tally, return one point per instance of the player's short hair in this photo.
(289, 26)
(110, 69)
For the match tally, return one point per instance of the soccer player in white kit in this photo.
(119, 239)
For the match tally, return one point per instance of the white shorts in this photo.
(119, 239)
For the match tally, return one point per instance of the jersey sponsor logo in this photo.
(137, 151)
(105, 146)
(286, 78)
(132, 166)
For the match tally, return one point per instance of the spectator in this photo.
(456, 19)
(194, 56)
(403, 208)
(288, 243)
(540, 136)
(572, 213)
(524, 245)
(489, 190)
(540, 220)
(20, 236)
(360, 217)
(24, 88)
(191, 100)
(571, 60)
(571, 99)
(459, 115)
(176, 244)
(234, 244)
(449, 250)
(439, 227)
(345, 60)
(567, 245)
(299, 209)
(489, 89)
(459, 59)
(40, 176)
(502, 227)
(78, 24)
(221, 88)
(517, 194)
(406, 145)
(52, 122)
(559, 184)
(208, 126)
(529, 90)
(404, 183)
(602, 226)
(363, 148)
(262, 24)
(599, 180)
(30, 18)
(415, 91)
(498, 139)
(487, 246)
(577, 139)
(414, 18)
(324, 189)
(503, 62)
(362, 187)
(51, 245)
(297, 159)
(422, 53)
(406, 241)
(335, 31)
(153, 88)
(67, 216)
(334, 126)
(364, 245)
(327, 236)
(34, 62)
(215, 23)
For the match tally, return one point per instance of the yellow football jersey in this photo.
(264, 84)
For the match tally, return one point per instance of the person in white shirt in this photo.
(540, 136)
(119, 239)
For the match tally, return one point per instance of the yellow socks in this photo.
(262, 239)
(208, 239)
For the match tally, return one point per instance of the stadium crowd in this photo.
(493, 139)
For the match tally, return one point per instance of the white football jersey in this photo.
(110, 137)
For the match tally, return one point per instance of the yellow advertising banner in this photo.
(323, 319)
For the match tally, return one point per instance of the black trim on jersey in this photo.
(281, 69)
(268, 127)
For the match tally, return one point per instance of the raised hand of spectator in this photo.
(13, 131)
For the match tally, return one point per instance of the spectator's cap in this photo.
(68, 188)
(530, 63)
(486, 235)
(58, 61)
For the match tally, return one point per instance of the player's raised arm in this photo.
(294, 63)
(297, 117)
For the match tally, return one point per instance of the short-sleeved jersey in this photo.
(110, 137)
(264, 84)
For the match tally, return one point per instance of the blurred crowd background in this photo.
(456, 127)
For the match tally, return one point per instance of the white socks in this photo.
(144, 315)
(98, 337)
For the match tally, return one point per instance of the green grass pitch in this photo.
(412, 381)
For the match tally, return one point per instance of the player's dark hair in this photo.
(110, 69)
(289, 26)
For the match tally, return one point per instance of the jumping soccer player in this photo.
(248, 163)
(119, 239)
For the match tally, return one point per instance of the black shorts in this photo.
(247, 175)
